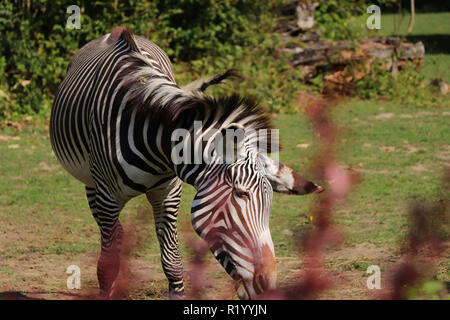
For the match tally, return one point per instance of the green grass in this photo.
(433, 29)
(389, 178)
(400, 155)
(400, 152)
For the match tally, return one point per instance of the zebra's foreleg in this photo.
(106, 213)
(165, 202)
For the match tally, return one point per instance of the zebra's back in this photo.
(88, 109)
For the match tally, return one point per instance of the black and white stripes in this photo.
(111, 127)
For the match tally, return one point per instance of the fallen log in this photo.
(342, 61)
(327, 52)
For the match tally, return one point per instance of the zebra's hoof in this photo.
(173, 295)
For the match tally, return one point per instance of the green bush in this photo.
(202, 37)
(36, 46)
(408, 87)
(194, 28)
(267, 76)
(332, 17)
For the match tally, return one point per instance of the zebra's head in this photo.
(231, 212)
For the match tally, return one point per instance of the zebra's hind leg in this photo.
(165, 201)
(106, 210)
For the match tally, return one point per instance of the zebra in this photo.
(111, 127)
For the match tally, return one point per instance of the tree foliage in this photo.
(36, 46)
(202, 37)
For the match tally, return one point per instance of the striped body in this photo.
(89, 110)
(112, 127)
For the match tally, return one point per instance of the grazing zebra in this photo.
(112, 126)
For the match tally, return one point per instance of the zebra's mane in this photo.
(247, 113)
(181, 104)
(153, 94)
(167, 101)
(239, 109)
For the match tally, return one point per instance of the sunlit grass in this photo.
(400, 153)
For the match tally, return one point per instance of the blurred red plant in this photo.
(197, 272)
(314, 278)
(425, 244)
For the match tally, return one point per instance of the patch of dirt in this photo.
(347, 268)
(39, 276)
(8, 138)
(421, 114)
(444, 154)
(419, 168)
(48, 167)
(303, 145)
(425, 113)
(359, 251)
(36, 275)
(410, 147)
(369, 171)
(383, 116)
(28, 272)
(388, 149)
(43, 276)
(361, 122)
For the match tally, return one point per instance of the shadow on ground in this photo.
(17, 295)
(434, 43)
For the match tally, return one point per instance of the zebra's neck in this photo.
(180, 125)
(197, 146)
(191, 153)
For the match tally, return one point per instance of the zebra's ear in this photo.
(285, 180)
(125, 34)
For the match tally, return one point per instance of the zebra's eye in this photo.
(241, 193)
